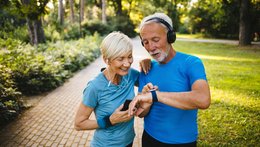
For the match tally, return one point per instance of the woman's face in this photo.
(120, 65)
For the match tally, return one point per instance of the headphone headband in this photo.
(171, 36)
(160, 20)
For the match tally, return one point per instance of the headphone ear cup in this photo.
(141, 40)
(142, 43)
(171, 36)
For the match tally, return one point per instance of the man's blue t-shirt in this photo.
(165, 123)
(105, 97)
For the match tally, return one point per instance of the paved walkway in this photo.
(50, 122)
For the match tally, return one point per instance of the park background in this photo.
(43, 43)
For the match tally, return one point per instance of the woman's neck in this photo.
(112, 77)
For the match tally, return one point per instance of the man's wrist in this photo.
(154, 95)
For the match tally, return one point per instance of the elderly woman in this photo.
(107, 92)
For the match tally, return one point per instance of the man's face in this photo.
(154, 38)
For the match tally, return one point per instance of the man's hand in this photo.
(149, 87)
(141, 104)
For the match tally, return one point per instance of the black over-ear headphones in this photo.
(171, 35)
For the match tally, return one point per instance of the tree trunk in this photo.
(30, 30)
(72, 16)
(61, 12)
(36, 31)
(244, 23)
(104, 16)
(39, 31)
(34, 22)
(82, 7)
(119, 7)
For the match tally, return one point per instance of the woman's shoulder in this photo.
(132, 74)
(132, 70)
(98, 81)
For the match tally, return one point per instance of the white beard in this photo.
(162, 57)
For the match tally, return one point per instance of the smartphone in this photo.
(126, 105)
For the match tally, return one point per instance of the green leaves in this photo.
(27, 70)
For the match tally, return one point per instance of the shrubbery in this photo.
(28, 70)
(9, 103)
(90, 27)
(71, 31)
(119, 23)
(123, 24)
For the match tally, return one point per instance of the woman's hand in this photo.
(119, 116)
(145, 65)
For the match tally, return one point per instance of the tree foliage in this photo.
(216, 18)
(220, 18)
(31, 11)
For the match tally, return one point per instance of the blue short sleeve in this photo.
(195, 69)
(90, 95)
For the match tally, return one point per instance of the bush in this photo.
(12, 26)
(36, 70)
(28, 70)
(72, 31)
(123, 24)
(118, 23)
(95, 26)
(10, 105)
(51, 33)
(183, 30)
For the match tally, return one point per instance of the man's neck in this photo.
(171, 54)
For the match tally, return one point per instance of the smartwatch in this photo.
(154, 95)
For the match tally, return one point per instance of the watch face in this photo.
(152, 90)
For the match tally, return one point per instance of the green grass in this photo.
(190, 36)
(233, 73)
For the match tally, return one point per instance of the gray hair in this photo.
(115, 44)
(158, 15)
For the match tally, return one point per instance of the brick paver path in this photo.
(50, 122)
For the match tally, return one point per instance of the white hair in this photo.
(156, 15)
(115, 44)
